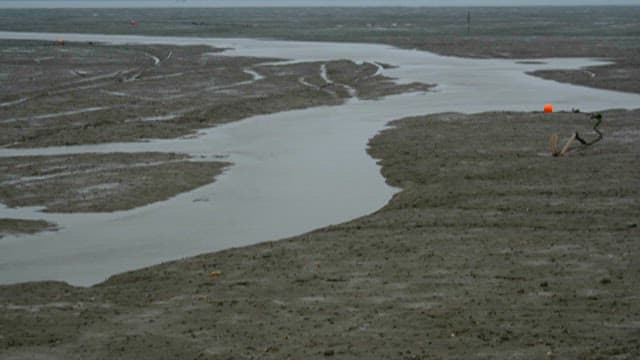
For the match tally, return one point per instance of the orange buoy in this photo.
(548, 108)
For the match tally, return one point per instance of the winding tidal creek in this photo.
(292, 171)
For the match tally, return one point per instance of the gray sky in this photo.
(231, 3)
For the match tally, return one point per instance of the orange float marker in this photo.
(548, 108)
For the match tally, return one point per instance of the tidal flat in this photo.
(606, 32)
(82, 93)
(484, 244)
(493, 248)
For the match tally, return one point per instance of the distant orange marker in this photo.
(548, 108)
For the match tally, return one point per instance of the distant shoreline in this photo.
(120, 4)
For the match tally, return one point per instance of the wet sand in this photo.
(100, 182)
(22, 226)
(493, 249)
(606, 32)
(286, 151)
(87, 92)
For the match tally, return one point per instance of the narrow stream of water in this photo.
(293, 171)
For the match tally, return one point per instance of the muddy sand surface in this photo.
(58, 94)
(22, 226)
(607, 32)
(87, 93)
(493, 249)
(100, 182)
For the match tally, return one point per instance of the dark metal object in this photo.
(598, 118)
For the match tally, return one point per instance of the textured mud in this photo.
(100, 182)
(83, 93)
(21, 226)
(609, 32)
(622, 75)
(86, 93)
(493, 249)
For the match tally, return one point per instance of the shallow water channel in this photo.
(293, 171)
